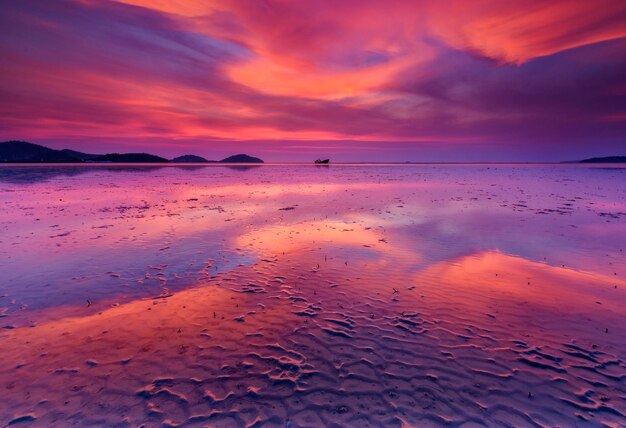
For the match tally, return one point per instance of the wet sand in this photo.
(301, 296)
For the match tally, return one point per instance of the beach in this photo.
(301, 295)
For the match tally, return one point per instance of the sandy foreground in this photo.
(341, 314)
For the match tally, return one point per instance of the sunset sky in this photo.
(295, 80)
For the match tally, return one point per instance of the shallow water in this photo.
(293, 295)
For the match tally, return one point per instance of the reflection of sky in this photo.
(95, 235)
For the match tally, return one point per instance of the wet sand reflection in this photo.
(311, 304)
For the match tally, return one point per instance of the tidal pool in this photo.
(301, 295)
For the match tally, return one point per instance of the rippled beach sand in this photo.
(368, 295)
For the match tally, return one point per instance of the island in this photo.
(21, 151)
(606, 159)
(190, 159)
(130, 158)
(241, 158)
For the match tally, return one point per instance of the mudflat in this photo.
(296, 295)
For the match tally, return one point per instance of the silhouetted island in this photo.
(130, 157)
(190, 159)
(241, 158)
(21, 151)
(606, 159)
(25, 152)
(85, 157)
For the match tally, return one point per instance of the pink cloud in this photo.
(428, 77)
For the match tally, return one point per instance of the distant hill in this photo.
(25, 152)
(130, 157)
(80, 155)
(607, 159)
(190, 159)
(241, 158)
(22, 151)
(16, 151)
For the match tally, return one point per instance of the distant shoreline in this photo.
(25, 153)
(251, 164)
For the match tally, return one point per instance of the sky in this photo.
(294, 80)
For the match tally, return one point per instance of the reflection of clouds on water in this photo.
(15, 174)
(84, 221)
(36, 174)
(349, 296)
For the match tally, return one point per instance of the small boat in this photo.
(323, 161)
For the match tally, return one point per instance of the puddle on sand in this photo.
(383, 295)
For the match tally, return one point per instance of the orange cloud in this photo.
(517, 32)
(278, 70)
